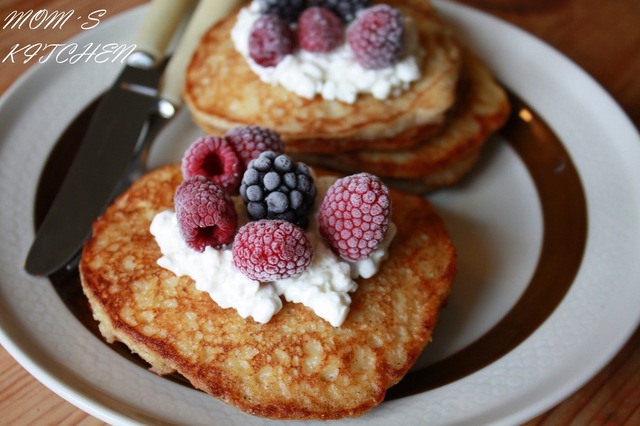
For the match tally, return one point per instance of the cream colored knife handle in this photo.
(159, 26)
(206, 13)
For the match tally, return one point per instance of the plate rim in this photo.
(44, 373)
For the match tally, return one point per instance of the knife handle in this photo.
(159, 26)
(207, 13)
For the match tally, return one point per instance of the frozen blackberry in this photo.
(275, 187)
(289, 10)
(345, 9)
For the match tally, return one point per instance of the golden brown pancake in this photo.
(223, 92)
(441, 160)
(297, 366)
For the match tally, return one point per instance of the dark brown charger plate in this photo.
(564, 217)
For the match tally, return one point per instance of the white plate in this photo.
(496, 220)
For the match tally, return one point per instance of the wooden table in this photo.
(601, 37)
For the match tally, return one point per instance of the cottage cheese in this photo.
(334, 75)
(324, 287)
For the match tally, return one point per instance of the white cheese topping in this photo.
(334, 75)
(213, 272)
(324, 287)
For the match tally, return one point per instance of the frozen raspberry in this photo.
(206, 214)
(269, 250)
(270, 40)
(319, 30)
(377, 36)
(214, 158)
(250, 141)
(288, 10)
(345, 9)
(354, 215)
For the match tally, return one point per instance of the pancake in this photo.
(223, 92)
(297, 366)
(481, 109)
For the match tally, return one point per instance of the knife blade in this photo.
(126, 120)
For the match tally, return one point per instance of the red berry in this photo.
(269, 250)
(215, 159)
(206, 214)
(270, 40)
(319, 30)
(250, 141)
(354, 215)
(376, 36)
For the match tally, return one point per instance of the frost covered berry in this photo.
(288, 10)
(206, 214)
(269, 250)
(354, 215)
(270, 40)
(345, 9)
(275, 187)
(250, 141)
(377, 36)
(319, 30)
(215, 159)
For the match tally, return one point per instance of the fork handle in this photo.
(159, 26)
(207, 13)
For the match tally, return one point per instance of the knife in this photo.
(144, 96)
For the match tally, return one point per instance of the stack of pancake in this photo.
(298, 366)
(427, 137)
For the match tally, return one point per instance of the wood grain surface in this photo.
(601, 37)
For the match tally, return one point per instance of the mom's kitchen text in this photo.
(46, 20)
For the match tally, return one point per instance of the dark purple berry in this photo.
(287, 10)
(347, 10)
(274, 187)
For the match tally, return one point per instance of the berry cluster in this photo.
(279, 195)
(213, 167)
(374, 33)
